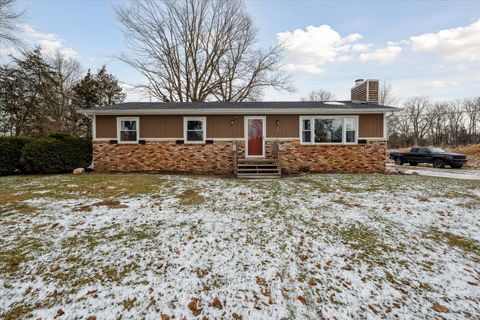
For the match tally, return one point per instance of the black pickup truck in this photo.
(435, 156)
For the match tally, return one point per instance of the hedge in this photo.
(59, 152)
(10, 154)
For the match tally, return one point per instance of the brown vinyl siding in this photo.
(219, 127)
(106, 127)
(161, 126)
(370, 125)
(287, 127)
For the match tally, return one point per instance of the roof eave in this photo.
(223, 111)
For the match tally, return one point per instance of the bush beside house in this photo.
(11, 153)
(59, 152)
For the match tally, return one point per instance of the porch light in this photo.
(278, 123)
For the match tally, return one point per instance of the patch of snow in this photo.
(336, 103)
(255, 245)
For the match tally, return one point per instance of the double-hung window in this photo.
(329, 129)
(194, 129)
(127, 129)
(306, 130)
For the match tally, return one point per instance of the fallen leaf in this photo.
(194, 307)
(265, 292)
(261, 281)
(312, 282)
(439, 308)
(217, 303)
(59, 313)
(302, 299)
(372, 308)
(165, 317)
(236, 316)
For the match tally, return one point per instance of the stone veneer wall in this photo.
(359, 158)
(218, 158)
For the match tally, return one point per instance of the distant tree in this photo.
(416, 112)
(8, 19)
(386, 97)
(199, 50)
(26, 93)
(108, 90)
(319, 95)
(101, 89)
(68, 72)
(472, 111)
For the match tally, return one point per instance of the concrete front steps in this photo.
(258, 169)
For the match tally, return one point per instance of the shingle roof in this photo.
(244, 105)
(246, 108)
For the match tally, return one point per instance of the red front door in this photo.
(255, 137)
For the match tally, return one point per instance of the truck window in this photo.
(424, 150)
(414, 150)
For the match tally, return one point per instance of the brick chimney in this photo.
(365, 91)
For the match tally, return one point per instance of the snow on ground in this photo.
(315, 246)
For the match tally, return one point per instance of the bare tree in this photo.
(8, 19)
(472, 111)
(386, 97)
(455, 118)
(198, 50)
(68, 72)
(416, 111)
(319, 95)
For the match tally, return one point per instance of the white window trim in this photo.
(204, 127)
(312, 126)
(94, 127)
(119, 119)
(264, 134)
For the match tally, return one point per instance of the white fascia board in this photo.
(233, 111)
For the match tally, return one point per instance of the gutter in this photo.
(239, 111)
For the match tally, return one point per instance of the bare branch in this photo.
(198, 50)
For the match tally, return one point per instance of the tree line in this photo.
(39, 95)
(441, 123)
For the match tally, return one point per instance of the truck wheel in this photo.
(413, 164)
(438, 163)
(398, 161)
(456, 166)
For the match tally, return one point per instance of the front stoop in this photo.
(258, 169)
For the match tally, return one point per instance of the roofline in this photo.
(243, 111)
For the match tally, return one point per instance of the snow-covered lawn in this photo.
(172, 247)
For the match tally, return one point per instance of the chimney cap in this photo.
(358, 81)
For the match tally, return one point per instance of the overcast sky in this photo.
(423, 48)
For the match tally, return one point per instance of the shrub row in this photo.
(59, 152)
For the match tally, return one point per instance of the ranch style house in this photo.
(248, 139)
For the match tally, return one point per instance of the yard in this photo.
(169, 247)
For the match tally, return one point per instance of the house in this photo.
(248, 138)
